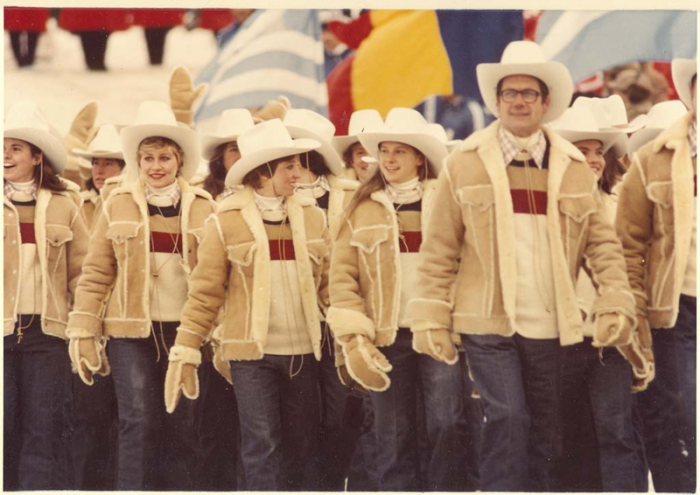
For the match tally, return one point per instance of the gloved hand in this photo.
(436, 343)
(183, 94)
(640, 355)
(87, 356)
(182, 375)
(273, 109)
(81, 132)
(365, 364)
(348, 381)
(612, 329)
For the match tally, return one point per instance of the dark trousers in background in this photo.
(668, 406)
(157, 450)
(24, 46)
(279, 418)
(36, 431)
(396, 426)
(362, 475)
(519, 381)
(94, 48)
(155, 40)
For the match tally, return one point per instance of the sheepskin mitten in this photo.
(640, 355)
(181, 377)
(348, 381)
(274, 109)
(183, 94)
(82, 129)
(365, 364)
(612, 329)
(88, 356)
(436, 343)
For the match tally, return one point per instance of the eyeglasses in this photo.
(529, 95)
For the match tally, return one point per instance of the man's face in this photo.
(518, 116)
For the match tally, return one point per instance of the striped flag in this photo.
(273, 53)
(591, 41)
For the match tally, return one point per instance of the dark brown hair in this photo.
(215, 182)
(347, 154)
(44, 175)
(314, 161)
(612, 172)
(268, 169)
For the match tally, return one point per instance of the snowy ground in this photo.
(61, 84)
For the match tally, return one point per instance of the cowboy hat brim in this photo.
(185, 137)
(117, 155)
(342, 143)
(682, 71)
(250, 162)
(608, 138)
(51, 146)
(333, 160)
(431, 147)
(210, 142)
(555, 75)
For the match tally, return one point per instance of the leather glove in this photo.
(88, 356)
(81, 132)
(436, 343)
(183, 94)
(365, 364)
(181, 377)
(612, 329)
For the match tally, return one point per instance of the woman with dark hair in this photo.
(45, 243)
(373, 276)
(135, 280)
(264, 260)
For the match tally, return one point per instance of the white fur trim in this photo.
(181, 353)
(350, 322)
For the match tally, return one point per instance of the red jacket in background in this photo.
(94, 19)
(153, 18)
(26, 19)
(215, 19)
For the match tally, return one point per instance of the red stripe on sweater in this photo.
(162, 242)
(282, 250)
(26, 232)
(411, 242)
(521, 203)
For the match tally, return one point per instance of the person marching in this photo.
(372, 276)
(134, 284)
(350, 148)
(656, 222)
(264, 258)
(45, 243)
(515, 207)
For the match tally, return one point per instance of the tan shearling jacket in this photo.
(235, 272)
(655, 221)
(365, 279)
(61, 241)
(473, 222)
(112, 297)
(342, 191)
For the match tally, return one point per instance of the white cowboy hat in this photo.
(232, 124)
(306, 124)
(105, 144)
(155, 118)
(683, 70)
(527, 58)
(407, 126)
(360, 121)
(661, 116)
(27, 122)
(439, 132)
(579, 124)
(266, 141)
(610, 113)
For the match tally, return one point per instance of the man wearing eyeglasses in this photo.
(514, 217)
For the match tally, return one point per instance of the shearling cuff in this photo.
(185, 354)
(79, 333)
(615, 302)
(85, 321)
(424, 326)
(349, 322)
(436, 311)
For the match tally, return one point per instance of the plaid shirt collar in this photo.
(10, 190)
(693, 138)
(174, 194)
(510, 148)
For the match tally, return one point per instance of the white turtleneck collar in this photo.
(273, 209)
(315, 189)
(407, 192)
(163, 196)
(21, 191)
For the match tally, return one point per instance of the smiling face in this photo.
(399, 162)
(356, 152)
(519, 117)
(231, 155)
(593, 151)
(19, 161)
(286, 175)
(103, 169)
(159, 165)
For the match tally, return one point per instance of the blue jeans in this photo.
(607, 383)
(279, 419)
(395, 424)
(363, 473)
(668, 406)
(36, 426)
(157, 450)
(519, 380)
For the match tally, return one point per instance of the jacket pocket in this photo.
(661, 193)
(242, 256)
(368, 239)
(317, 251)
(120, 232)
(477, 205)
(577, 208)
(58, 235)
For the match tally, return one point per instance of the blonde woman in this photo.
(134, 284)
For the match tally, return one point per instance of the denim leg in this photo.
(363, 476)
(12, 438)
(141, 410)
(443, 403)
(668, 406)
(472, 421)
(395, 419)
(609, 384)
